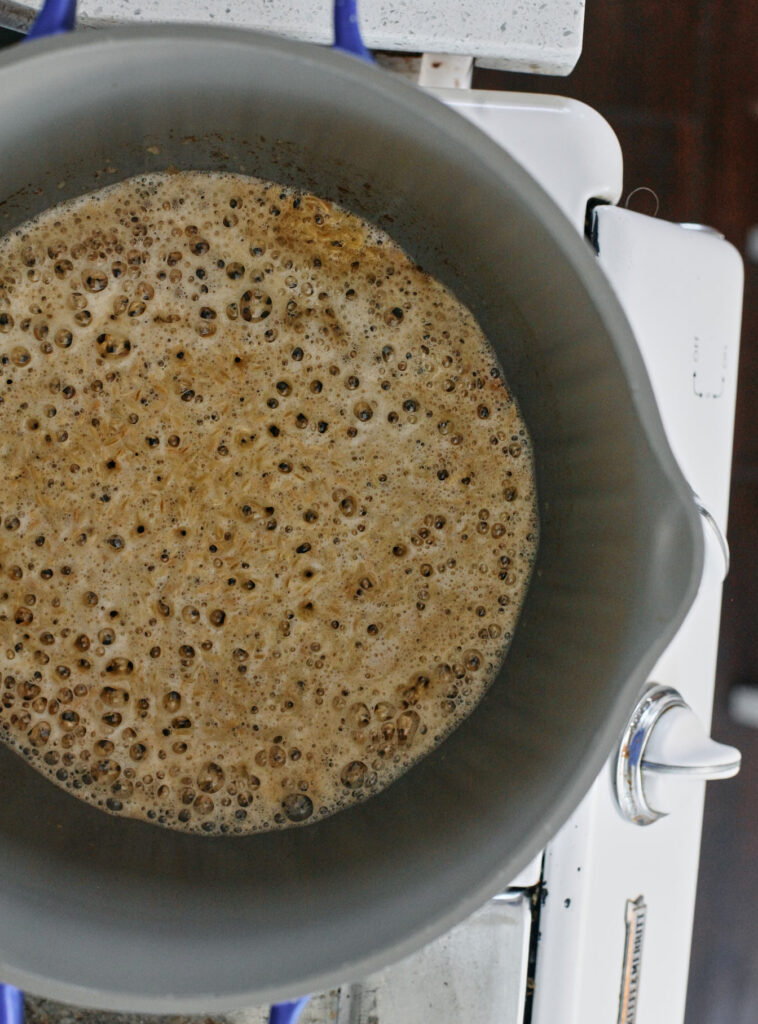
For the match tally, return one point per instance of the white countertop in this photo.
(543, 36)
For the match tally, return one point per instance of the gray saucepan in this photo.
(124, 915)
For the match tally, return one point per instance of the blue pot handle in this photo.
(11, 1005)
(347, 33)
(55, 17)
(287, 1013)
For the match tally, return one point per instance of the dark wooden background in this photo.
(679, 84)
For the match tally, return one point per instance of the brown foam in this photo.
(269, 510)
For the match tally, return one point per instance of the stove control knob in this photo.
(664, 747)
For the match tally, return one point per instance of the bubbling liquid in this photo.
(269, 510)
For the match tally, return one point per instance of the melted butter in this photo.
(269, 512)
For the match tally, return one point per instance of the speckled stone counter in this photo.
(322, 1009)
(45, 1011)
(543, 36)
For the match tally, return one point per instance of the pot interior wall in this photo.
(122, 914)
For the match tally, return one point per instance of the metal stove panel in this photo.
(681, 290)
(682, 294)
(567, 146)
(476, 972)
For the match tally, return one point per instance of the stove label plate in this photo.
(634, 921)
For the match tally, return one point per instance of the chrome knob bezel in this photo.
(629, 790)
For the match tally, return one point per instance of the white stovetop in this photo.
(544, 36)
(682, 292)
